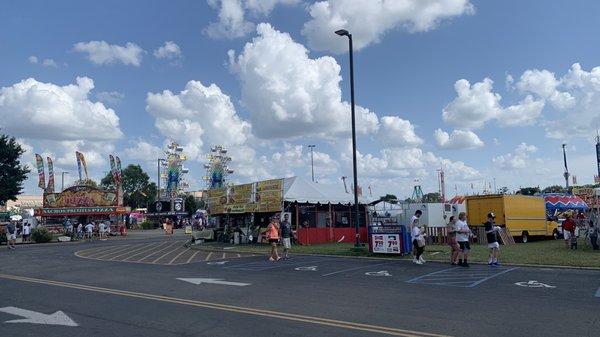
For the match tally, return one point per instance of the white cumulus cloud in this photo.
(101, 52)
(38, 110)
(519, 159)
(395, 131)
(232, 22)
(289, 94)
(169, 50)
(370, 20)
(458, 139)
(198, 116)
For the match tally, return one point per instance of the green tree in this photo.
(529, 190)
(191, 204)
(389, 198)
(554, 189)
(432, 197)
(12, 173)
(138, 191)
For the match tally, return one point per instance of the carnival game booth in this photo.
(82, 203)
(318, 213)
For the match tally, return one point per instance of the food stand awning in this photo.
(563, 202)
(297, 189)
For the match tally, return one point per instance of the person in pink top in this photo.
(273, 236)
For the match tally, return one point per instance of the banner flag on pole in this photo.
(40, 167)
(50, 187)
(113, 168)
(78, 156)
(83, 163)
(118, 161)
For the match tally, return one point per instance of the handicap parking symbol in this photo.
(378, 273)
(533, 284)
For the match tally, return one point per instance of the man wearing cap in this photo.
(491, 232)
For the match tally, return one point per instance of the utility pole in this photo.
(312, 164)
(566, 174)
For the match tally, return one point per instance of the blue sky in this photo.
(407, 64)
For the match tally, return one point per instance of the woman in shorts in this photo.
(273, 236)
(452, 241)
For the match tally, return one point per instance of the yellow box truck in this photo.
(523, 216)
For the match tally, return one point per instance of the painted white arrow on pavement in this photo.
(213, 281)
(57, 318)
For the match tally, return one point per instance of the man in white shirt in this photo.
(102, 230)
(26, 232)
(414, 222)
(89, 231)
(463, 238)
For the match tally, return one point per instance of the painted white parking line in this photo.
(598, 293)
(193, 256)
(452, 277)
(178, 255)
(208, 256)
(156, 252)
(355, 268)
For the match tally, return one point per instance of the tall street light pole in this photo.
(312, 164)
(343, 32)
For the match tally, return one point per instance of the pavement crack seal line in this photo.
(229, 308)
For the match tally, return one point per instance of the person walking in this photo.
(89, 231)
(414, 222)
(286, 236)
(462, 237)
(568, 228)
(593, 232)
(273, 236)
(491, 232)
(102, 230)
(418, 241)
(452, 229)
(79, 231)
(11, 235)
(26, 232)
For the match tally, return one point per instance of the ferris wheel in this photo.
(217, 168)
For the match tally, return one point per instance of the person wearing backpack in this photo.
(11, 235)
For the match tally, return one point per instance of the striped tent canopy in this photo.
(459, 199)
(563, 202)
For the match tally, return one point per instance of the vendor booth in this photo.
(82, 203)
(318, 213)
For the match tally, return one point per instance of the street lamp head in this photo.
(342, 32)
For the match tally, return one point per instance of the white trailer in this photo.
(434, 214)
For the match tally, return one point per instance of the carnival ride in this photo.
(217, 169)
(174, 170)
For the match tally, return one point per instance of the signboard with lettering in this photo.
(386, 243)
(80, 196)
(263, 196)
(100, 210)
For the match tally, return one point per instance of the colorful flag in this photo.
(78, 156)
(50, 187)
(83, 163)
(118, 161)
(41, 176)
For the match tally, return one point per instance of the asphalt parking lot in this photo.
(127, 290)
